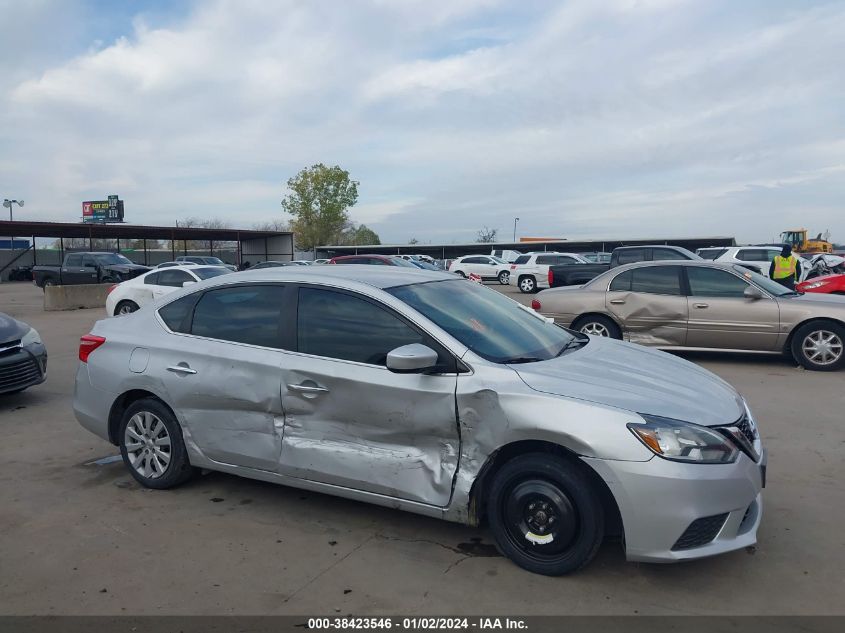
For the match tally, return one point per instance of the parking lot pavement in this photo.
(79, 538)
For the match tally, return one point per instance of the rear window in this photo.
(208, 273)
(711, 253)
(522, 259)
(631, 255)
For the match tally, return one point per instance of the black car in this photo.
(23, 357)
(88, 268)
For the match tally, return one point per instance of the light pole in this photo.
(10, 204)
(515, 220)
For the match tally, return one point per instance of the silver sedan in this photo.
(415, 390)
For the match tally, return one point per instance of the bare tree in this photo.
(487, 235)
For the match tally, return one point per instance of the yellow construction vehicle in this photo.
(797, 238)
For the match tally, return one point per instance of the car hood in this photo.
(638, 379)
(11, 329)
(125, 268)
(817, 297)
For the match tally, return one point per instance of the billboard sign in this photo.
(103, 211)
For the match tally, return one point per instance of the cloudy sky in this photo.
(593, 118)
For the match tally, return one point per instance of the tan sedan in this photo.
(703, 304)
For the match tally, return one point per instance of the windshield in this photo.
(208, 273)
(486, 321)
(711, 253)
(111, 258)
(214, 260)
(498, 260)
(772, 287)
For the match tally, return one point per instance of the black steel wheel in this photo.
(545, 514)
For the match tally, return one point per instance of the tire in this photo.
(527, 284)
(126, 307)
(504, 278)
(108, 280)
(139, 428)
(461, 273)
(543, 497)
(598, 325)
(47, 282)
(819, 345)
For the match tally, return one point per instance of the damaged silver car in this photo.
(415, 390)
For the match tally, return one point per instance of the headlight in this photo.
(683, 442)
(816, 284)
(30, 337)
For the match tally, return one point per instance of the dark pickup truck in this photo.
(577, 274)
(87, 268)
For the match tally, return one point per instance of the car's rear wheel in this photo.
(504, 277)
(545, 514)
(48, 283)
(820, 346)
(461, 273)
(152, 446)
(597, 325)
(126, 307)
(527, 284)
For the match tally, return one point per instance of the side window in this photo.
(74, 261)
(473, 260)
(241, 314)
(663, 254)
(752, 255)
(88, 262)
(173, 277)
(622, 282)
(342, 326)
(152, 279)
(709, 282)
(631, 255)
(546, 260)
(658, 280)
(565, 259)
(176, 314)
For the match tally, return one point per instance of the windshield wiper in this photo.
(523, 359)
(572, 343)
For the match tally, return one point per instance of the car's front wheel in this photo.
(527, 284)
(152, 446)
(504, 277)
(461, 273)
(545, 514)
(126, 307)
(597, 325)
(820, 345)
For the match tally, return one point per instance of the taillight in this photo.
(513, 266)
(551, 278)
(535, 305)
(112, 287)
(88, 344)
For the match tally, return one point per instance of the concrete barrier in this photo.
(75, 297)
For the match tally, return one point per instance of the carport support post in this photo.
(61, 250)
(34, 252)
(145, 252)
(118, 244)
(211, 248)
(266, 255)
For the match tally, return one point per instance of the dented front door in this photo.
(352, 422)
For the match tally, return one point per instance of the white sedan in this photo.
(130, 295)
(485, 266)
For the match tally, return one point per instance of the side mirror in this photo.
(752, 292)
(185, 284)
(410, 359)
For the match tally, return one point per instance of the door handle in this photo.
(700, 305)
(307, 389)
(181, 369)
(617, 301)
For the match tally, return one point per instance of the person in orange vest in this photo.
(784, 268)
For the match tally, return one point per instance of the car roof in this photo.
(347, 276)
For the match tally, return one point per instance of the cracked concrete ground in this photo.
(80, 539)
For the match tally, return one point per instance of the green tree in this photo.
(319, 199)
(360, 235)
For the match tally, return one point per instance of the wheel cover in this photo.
(147, 444)
(540, 519)
(505, 277)
(822, 347)
(595, 329)
(526, 284)
(126, 308)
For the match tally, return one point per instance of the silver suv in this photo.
(415, 390)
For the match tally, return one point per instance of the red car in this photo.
(378, 260)
(831, 284)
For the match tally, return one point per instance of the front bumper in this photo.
(660, 502)
(23, 367)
